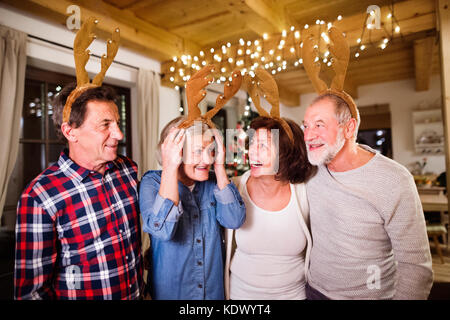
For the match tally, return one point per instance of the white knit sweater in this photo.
(369, 233)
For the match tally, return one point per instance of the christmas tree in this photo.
(239, 145)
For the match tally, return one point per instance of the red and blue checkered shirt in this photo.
(78, 233)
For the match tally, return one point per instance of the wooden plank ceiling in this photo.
(163, 29)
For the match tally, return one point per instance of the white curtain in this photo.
(148, 119)
(148, 129)
(12, 82)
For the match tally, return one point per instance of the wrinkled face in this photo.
(198, 155)
(263, 153)
(324, 137)
(99, 135)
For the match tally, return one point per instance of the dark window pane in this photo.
(32, 126)
(32, 155)
(53, 90)
(122, 108)
(54, 151)
(122, 149)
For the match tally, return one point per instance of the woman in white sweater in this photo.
(268, 256)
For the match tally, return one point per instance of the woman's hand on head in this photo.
(172, 149)
(220, 148)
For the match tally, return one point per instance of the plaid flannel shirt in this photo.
(78, 233)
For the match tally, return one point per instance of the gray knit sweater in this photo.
(369, 233)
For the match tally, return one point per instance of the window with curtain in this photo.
(38, 145)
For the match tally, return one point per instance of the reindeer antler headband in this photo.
(340, 52)
(263, 82)
(82, 41)
(195, 93)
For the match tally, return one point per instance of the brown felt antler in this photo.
(195, 93)
(82, 41)
(264, 83)
(340, 53)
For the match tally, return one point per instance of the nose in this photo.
(252, 151)
(116, 133)
(207, 157)
(308, 134)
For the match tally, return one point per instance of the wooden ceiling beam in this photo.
(423, 62)
(252, 20)
(135, 33)
(272, 12)
(288, 97)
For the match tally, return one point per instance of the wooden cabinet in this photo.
(428, 131)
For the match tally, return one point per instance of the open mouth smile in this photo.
(315, 146)
(256, 164)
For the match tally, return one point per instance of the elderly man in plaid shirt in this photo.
(78, 230)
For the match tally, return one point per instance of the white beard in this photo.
(327, 153)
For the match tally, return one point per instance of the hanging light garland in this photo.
(389, 36)
(275, 53)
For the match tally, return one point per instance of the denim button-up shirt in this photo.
(187, 250)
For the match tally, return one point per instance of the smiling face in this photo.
(198, 155)
(96, 140)
(324, 136)
(262, 153)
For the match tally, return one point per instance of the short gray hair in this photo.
(174, 123)
(342, 111)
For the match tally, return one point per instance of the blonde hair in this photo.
(174, 123)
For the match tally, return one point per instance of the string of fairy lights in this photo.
(276, 52)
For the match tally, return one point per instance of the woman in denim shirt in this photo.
(183, 209)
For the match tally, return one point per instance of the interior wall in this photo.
(402, 99)
(51, 56)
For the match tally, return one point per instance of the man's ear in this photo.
(350, 128)
(68, 132)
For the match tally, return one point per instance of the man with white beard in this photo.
(367, 223)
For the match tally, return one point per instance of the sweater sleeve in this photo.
(159, 215)
(230, 206)
(406, 228)
(36, 251)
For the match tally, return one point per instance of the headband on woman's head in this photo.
(82, 41)
(195, 93)
(264, 83)
(340, 53)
